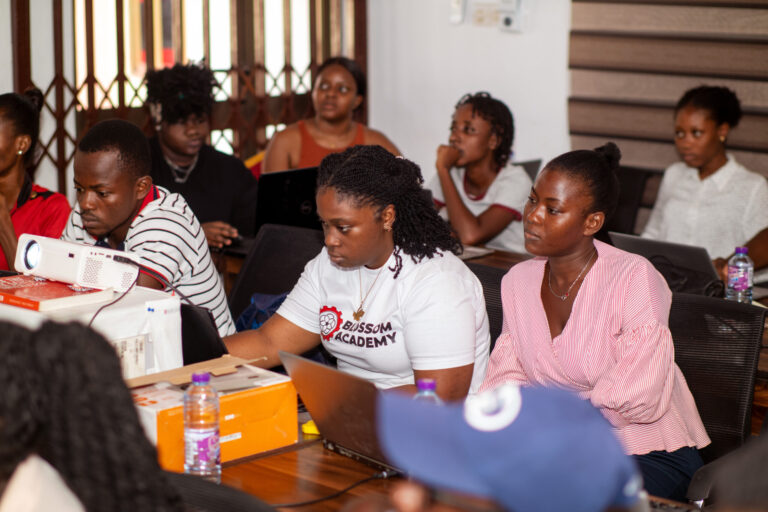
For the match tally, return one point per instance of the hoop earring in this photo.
(20, 152)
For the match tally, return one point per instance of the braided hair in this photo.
(372, 176)
(65, 399)
(499, 117)
(23, 112)
(181, 91)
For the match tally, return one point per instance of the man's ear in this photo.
(593, 223)
(143, 186)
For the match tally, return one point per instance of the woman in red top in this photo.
(24, 206)
(338, 92)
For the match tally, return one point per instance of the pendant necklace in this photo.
(180, 174)
(358, 314)
(568, 291)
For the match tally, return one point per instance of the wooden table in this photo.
(302, 472)
(307, 471)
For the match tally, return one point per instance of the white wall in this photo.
(419, 65)
(6, 52)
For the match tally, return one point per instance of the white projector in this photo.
(74, 263)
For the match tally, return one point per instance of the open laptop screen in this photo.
(288, 198)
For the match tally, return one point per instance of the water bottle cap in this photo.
(425, 384)
(201, 378)
(741, 250)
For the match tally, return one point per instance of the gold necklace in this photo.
(358, 314)
(568, 291)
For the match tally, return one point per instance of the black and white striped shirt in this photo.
(167, 238)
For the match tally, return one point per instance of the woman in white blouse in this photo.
(708, 199)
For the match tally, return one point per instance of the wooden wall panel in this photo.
(631, 61)
(670, 20)
(655, 123)
(670, 55)
(658, 88)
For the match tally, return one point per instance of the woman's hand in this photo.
(447, 156)
(219, 233)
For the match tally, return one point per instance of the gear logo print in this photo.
(330, 321)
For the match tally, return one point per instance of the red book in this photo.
(44, 295)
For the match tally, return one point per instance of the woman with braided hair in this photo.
(70, 438)
(386, 296)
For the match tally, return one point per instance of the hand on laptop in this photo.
(219, 234)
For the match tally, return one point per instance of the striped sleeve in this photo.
(169, 240)
(638, 388)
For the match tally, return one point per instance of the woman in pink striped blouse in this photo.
(585, 316)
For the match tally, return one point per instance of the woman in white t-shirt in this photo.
(387, 296)
(475, 187)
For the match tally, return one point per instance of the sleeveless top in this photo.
(312, 153)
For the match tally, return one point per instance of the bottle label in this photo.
(739, 278)
(201, 446)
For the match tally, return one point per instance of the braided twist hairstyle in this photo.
(372, 176)
(83, 418)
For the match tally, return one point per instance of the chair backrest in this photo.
(631, 188)
(531, 167)
(717, 345)
(200, 339)
(204, 496)
(490, 278)
(275, 262)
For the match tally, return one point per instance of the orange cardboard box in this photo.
(257, 409)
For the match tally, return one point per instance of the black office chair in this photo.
(531, 167)
(631, 188)
(200, 495)
(200, 339)
(490, 278)
(717, 345)
(275, 262)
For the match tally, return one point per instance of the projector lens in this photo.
(32, 255)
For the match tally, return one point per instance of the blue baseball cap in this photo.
(532, 449)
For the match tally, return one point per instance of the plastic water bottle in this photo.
(426, 391)
(740, 271)
(202, 455)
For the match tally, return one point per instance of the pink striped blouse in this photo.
(615, 350)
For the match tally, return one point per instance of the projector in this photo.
(80, 264)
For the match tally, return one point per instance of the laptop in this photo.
(288, 198)
(688, 262)
(343, 408)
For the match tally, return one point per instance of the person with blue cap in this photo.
(527, 448)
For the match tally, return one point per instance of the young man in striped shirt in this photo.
(119, 207)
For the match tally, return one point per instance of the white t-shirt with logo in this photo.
(431, 317)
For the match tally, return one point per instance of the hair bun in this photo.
(611, 153)
(35, 97)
